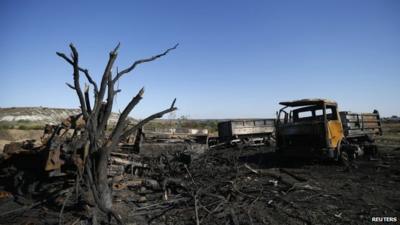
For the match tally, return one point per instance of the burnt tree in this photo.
(96, 112)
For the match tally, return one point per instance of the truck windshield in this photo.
(314, 113)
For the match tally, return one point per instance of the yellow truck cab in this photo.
(314, 127)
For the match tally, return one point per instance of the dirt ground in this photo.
(290, 192)
(243, 186)
(9, 135)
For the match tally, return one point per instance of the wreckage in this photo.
(29, 162)
(312, 128)
(315, 127)
(249, 131)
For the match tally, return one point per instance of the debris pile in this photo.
(52, 169)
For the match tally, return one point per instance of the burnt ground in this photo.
(237, 186)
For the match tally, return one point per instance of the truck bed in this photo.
(361, 124)
(231, 129)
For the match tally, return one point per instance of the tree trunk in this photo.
(96, 118)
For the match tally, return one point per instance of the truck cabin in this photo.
(307, 110)
(308, 127)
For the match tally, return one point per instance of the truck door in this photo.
(335, 129)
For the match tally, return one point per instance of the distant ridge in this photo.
(41, 115)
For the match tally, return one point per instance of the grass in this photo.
(21, 125)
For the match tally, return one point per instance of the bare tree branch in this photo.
(109, 102)
(110, 91)
(105, 79)
(70, 86)
(173, 103)
(148, 119)
(75, 58)
(89, 78)
(124, 115)
(116, 48)
(129, 69)
(62, 55)
(117, 91)
(87, 99)
(85, 71)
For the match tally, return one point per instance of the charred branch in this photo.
(115, 136)
(136, 63)
(74, 61)
(90, 79)
(148, 119)
(85, 71)
(87, 99)
(105, 79)
(71, 86)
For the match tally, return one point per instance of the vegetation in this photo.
(21, 125)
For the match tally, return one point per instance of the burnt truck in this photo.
(248, 131)
(315, 127)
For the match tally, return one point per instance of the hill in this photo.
(38, 116)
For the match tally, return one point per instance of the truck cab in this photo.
(309, 127)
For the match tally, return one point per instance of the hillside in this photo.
(38, 116)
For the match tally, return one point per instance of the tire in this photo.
(338, 149)
(344, 158)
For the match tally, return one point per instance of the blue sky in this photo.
(236, 58)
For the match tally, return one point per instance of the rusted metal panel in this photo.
(53, 161)
(242, 128)
(335, 132)
(299, 136)
(304, 102)
(360, 124)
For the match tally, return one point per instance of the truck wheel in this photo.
(341, 153)
(340, 148)
(337, 152)
(347, 155)
(344, 158)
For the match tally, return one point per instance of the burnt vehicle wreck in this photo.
(315, 127)
(251, 132)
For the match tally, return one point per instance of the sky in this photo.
(236, 59)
